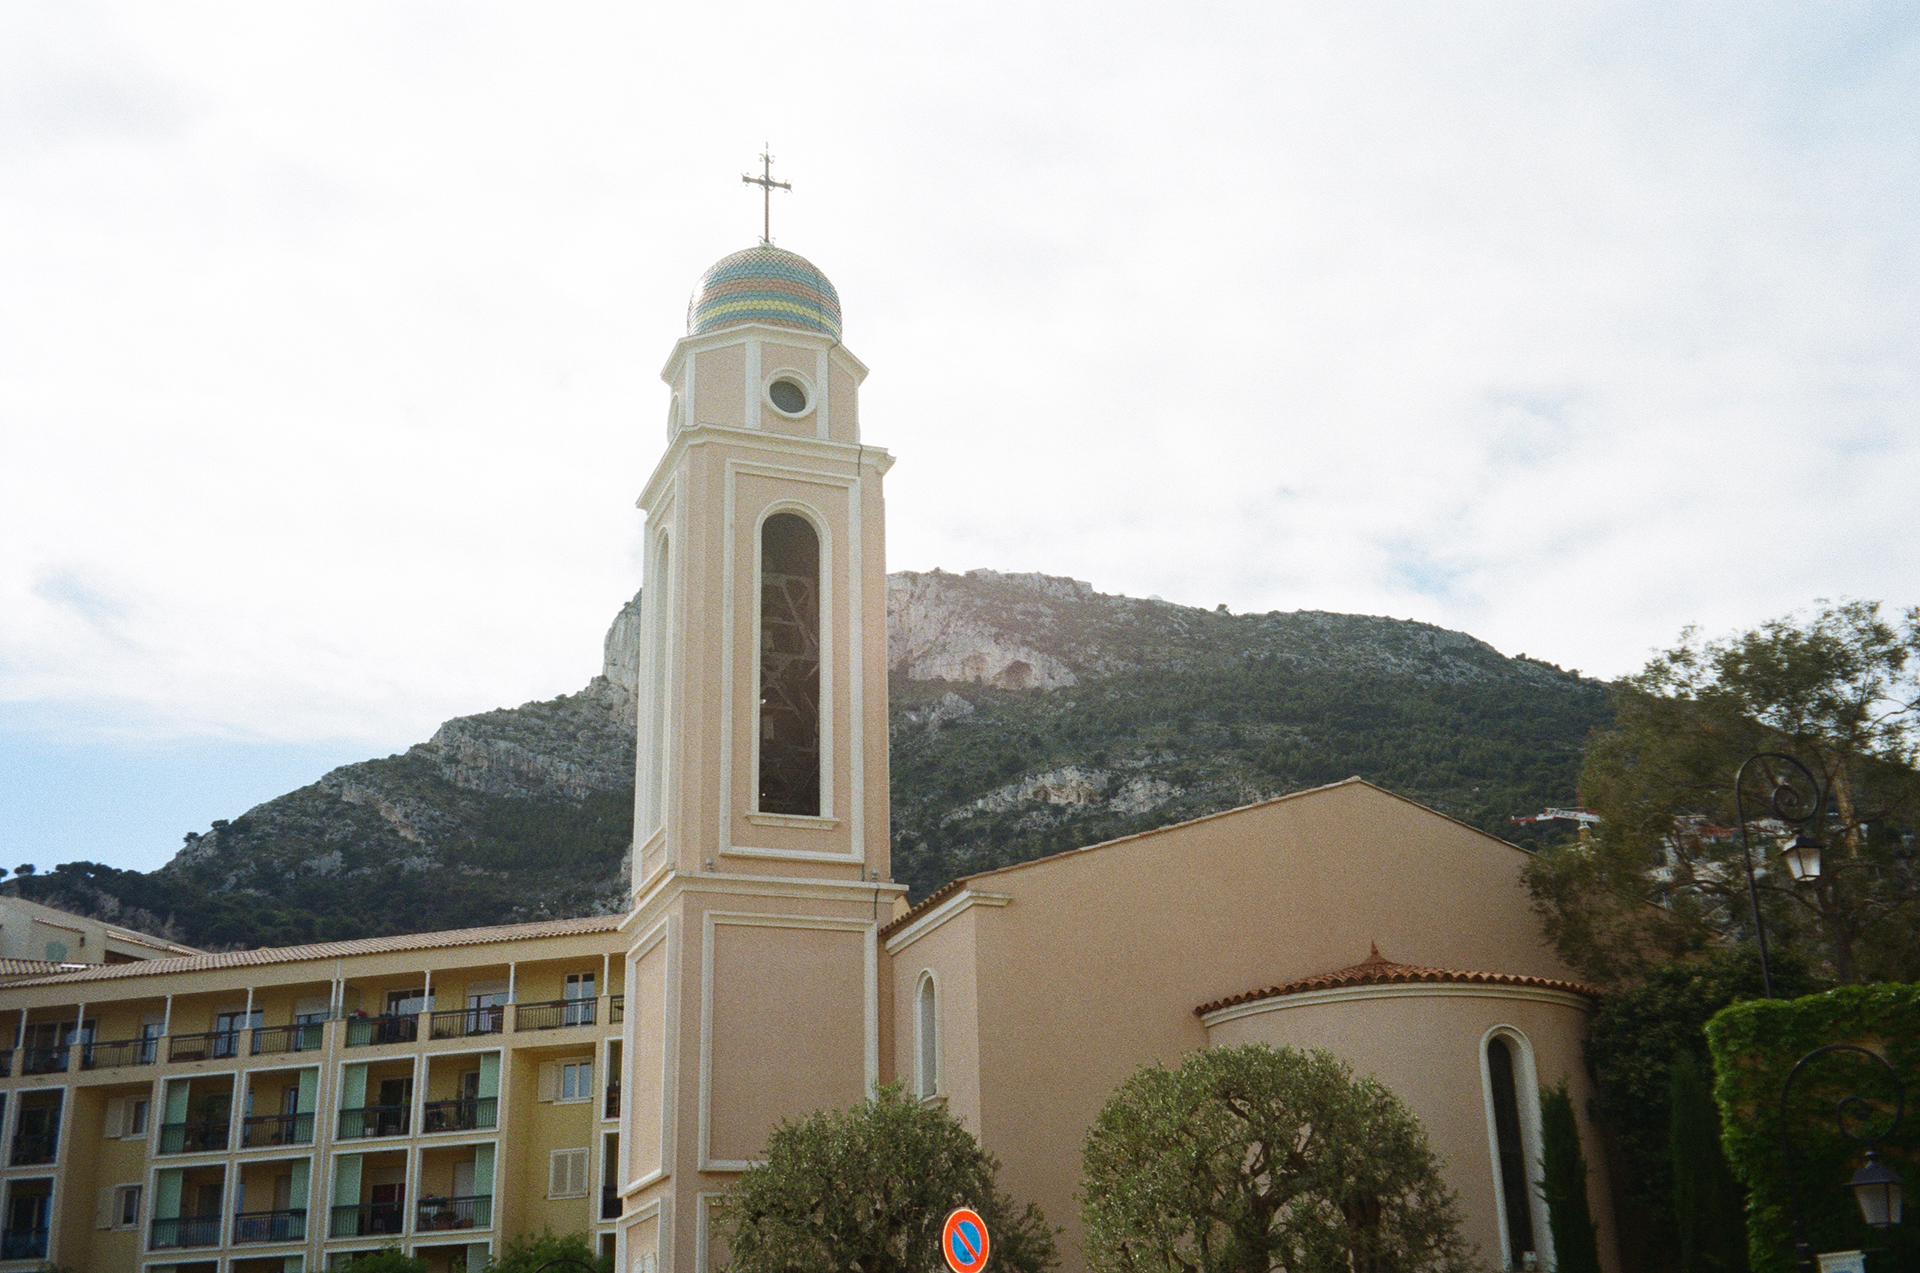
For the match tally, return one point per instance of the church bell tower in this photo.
(760, 871)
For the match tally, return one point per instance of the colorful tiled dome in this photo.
(764, 284)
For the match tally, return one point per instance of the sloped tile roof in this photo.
(1377, 970)
(337, 949)
(33, 967)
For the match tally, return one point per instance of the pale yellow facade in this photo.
(275, 1111)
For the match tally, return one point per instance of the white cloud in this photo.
(328, 352)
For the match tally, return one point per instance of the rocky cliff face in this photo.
(1029, 714)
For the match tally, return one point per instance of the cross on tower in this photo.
(767, 186)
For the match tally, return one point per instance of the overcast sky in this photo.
(330, 335)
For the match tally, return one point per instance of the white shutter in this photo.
(549, 1080)
(113, 1126)
(567, 1173)
(104, 1209)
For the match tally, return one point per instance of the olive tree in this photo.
(1252, 1159)
(866, 1190)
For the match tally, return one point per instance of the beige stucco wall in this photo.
(1095, 965)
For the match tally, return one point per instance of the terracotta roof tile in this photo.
(339, 949)
(1377, 970)
(33, 967)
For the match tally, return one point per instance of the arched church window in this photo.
(927, 1036)
(1510, 1147)
(789, 666)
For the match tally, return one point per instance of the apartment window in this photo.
(789, 666)
(567, 1174)
(126, 1207)
(579, 997)
(562, 1081)
(126, 1119)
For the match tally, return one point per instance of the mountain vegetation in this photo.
(1030, 715)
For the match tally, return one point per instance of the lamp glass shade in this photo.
(1802, 859)
(1880, 1192)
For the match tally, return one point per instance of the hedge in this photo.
(1754, 1045)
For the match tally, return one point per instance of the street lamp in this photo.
(1877, 1188)
(1787, 802)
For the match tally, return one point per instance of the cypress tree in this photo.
(1564, 1185)
(1707, 1202)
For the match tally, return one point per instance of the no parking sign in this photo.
(963, 1240)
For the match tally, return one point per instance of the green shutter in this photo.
(353, 1086)
(297, 1191)
(346, 1181)
(489, 1075)
(483, 1169)
(176, 1103)
(310, 1092)
(166, 1194)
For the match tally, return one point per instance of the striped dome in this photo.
(764, 284)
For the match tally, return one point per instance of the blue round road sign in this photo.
(963, 1240)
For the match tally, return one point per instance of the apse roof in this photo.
(1377, 970)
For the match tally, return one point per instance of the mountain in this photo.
(1029, 714)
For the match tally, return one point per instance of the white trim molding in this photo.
(1397, 990)
(966, 899)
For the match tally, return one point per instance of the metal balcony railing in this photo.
(460, 1023)
(555, 1014)
(609, 1203)
(374, 1120)
(23, 1244)
(31, 1148)
(270, 1226)
(372, 1031)
(468, 1113)
(616, 1009)
(472, 1212)
(43, 1060)
(198, 1047)
(613, 1100)
(265, 1131)
(306, 1037)
(205, 1137)
(183, 1231)
(116, 1052)
(354, 1220)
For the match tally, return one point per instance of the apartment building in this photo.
(278, 1110)
(32, 934)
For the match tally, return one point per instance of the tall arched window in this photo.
(789, 666)
(927, 1035)
(1516, 1189)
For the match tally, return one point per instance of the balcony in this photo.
(184, 1231)
(469, 1113)
(358, 1219)
(365, 1032)
(556, 1014)
(115, 1053)
(33, 1148)
(270, 1226)
(462, 1023)
(374, 1120)
(616, 1009)
(200, 1047)
(23, 1244)
(306, 1037)
(207, 1137)
(613, 1101)
(266, 1131)
(474, 1212)
(609, 1203)
(43, 1060)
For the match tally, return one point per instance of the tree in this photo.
(527, 1252)
(1252, 1158)
(1662, 876)
(1708, 1203)
(866, 1190)
(1563, 1185)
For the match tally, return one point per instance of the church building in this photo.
(284, 1110)
(774, 970)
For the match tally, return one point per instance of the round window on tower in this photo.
(789, 395)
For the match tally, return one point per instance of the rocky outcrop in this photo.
(939, 632)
